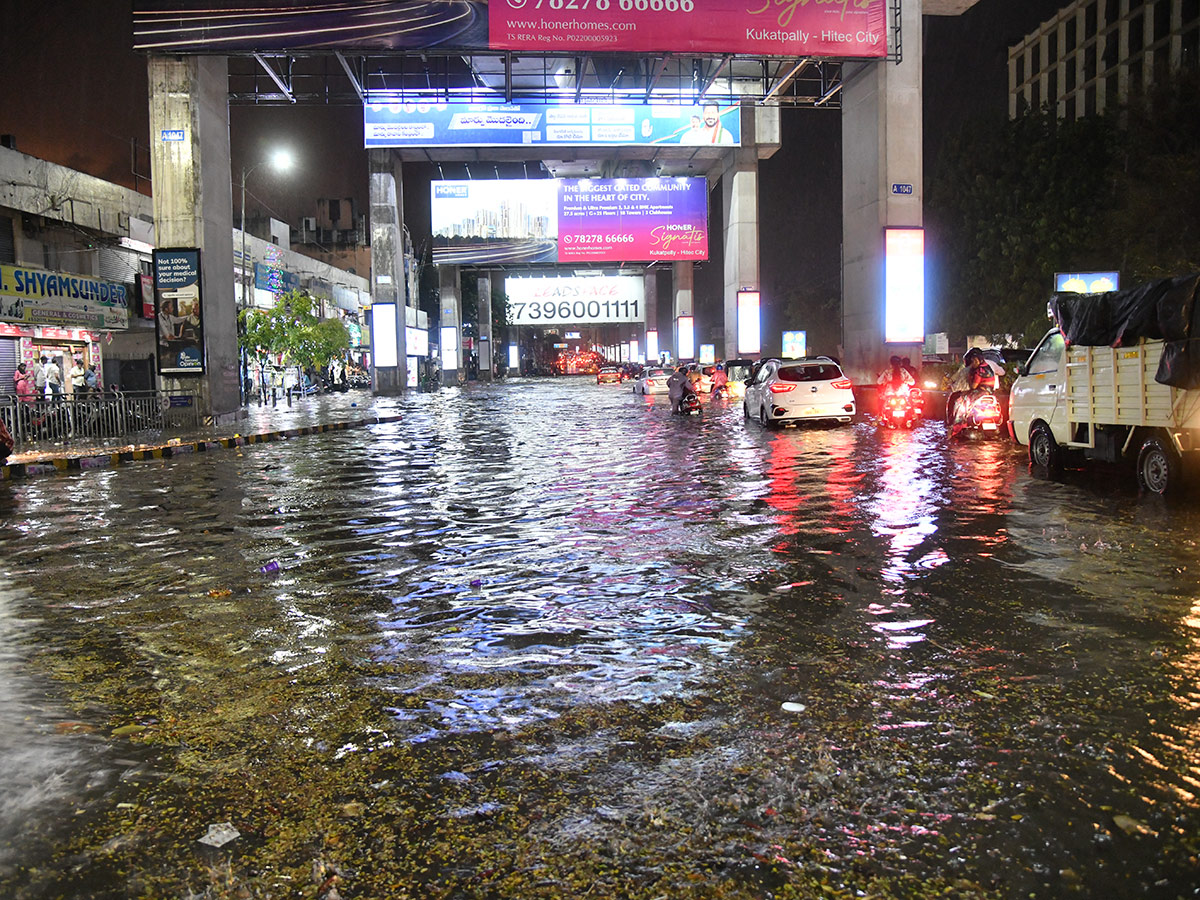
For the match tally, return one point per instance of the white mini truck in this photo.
(1083, 400)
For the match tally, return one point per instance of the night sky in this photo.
(75, 93)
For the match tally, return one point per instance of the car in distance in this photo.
(737, 371)
(653, 381)
(609, 375)
(812, 389)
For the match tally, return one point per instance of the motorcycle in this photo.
(977, 412)
(901, 407)
(689, 404)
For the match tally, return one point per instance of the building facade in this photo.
(1095, 54)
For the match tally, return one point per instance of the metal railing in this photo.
(92, 417)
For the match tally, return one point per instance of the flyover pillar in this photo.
(451, 307)
(389, 287)
(193, 208)
(881, 147)
(739, 191)
(684, 281)
(485, 327)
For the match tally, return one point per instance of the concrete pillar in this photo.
(881, 146)
(685, 300)
(386, 187)
(451, 305)
(193, 207)
(739, 190)
(650, 293)
(485, 327)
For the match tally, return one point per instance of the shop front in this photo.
(62, 317)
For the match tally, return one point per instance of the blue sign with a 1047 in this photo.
(174, 134)
(902, 188)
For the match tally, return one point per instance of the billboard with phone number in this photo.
(496, 222)
(823, 28)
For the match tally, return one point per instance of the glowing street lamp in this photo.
(281, 161)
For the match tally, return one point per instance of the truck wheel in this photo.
(1159, 469)
(1044, 451)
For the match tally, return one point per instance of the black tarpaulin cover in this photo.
(1164, 309)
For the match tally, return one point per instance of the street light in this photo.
(280, 160)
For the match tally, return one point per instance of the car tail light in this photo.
(781, 388)
(650, 382)
(843, 384)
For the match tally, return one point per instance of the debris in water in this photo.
(1130, 825)
(220, 834)
(794, 707)
(272, 566)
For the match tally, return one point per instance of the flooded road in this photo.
(543, 639)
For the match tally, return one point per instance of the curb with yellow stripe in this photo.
(53, 465)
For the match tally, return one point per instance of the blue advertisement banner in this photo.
(1086, 282)
(178, 312)
(274, 279)
(502, 125)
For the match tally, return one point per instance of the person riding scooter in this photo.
(980, 374)
(677, 385)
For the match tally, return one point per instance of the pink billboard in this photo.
(832, 28)
(636, 219)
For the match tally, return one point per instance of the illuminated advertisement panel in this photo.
(546, 220)
(904, 286)
(832, 28)
(1087, 282)
(749, 331)
(572, 300)
(571, 125)
(385, 339)
(685, 326)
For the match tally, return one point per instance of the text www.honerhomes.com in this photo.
(544, 30)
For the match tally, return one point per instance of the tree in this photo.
(1010, 203)
(292, 330)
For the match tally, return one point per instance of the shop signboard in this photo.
(561, 220)
(178, 311)
(549, 124)
(793, 28)
(38, 297)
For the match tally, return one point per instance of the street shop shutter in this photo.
(8, 364)
(118, 266)
(8, 248)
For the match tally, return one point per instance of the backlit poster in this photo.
(179, 312)
(547, 220)
(904, 286)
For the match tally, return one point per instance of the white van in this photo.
(1104, 403)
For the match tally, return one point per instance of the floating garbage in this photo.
(272, 566)
(220, 834)
(794, 707)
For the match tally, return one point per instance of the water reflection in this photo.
(894, 656)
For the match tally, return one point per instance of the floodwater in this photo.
(543, 639)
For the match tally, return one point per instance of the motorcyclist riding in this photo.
(677, 386)
(720, 381)
(895, 377)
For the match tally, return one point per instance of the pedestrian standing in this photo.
(39, 377)
(91, 380)
(78, 378)
(53, 377)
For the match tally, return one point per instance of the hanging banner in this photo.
(572, 125)
(835, 28)
(822, 28)
(547, 220)
(37, 297)
(180, 323)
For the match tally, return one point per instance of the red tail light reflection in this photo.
(843, 384)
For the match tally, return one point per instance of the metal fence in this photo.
(96, 416)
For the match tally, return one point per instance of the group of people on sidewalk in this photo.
(46, 380)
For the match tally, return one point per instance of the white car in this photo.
(653, 381)
(799, 390)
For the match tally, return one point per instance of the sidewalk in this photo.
(309, 415)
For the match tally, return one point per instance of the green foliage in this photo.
(1011, 203)
(292, 329)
